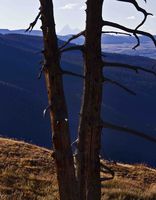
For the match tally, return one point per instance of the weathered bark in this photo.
(89, 140)
(58, 109)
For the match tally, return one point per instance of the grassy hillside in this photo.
(28, 172)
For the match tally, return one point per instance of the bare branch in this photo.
(134, 2)
(46, 110)
(144, 12)
(120, 65)
(72, 38)
(114, 32)
(30, 28)
(73, 48)
(72, 74)
(106, 179)
(127, 66)
(75, 143)
(119, 85)
(129, 130)
(41, 71)
(118, 26)
(106, 169)
(143, 21)
(138, 40)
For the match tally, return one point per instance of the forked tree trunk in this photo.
(89, 128)
(58, 110)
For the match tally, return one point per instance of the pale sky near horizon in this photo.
(17, 14)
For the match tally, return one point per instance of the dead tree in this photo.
(89, 133)
(62, 151)
(87, 180)
(90, 127)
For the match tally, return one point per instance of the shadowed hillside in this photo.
(23, 99)
(28, 172)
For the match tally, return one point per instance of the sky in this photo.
(17, 14)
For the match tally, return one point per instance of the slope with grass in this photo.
(28, 172)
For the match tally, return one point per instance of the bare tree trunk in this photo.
(89, 128)
(58, 109)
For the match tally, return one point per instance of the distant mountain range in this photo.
(122, 45)
(64, 31)
(23, 99)
(110, 43)
(21, 31)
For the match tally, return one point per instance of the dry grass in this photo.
(131, 182)
(27, 173)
